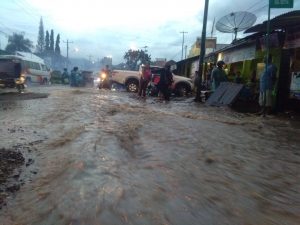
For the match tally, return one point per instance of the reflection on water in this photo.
(112, 159)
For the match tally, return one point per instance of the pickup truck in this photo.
(181, 86)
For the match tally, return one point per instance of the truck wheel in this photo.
(132, 86)
(182, 90)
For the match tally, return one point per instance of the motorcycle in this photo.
(104, 81)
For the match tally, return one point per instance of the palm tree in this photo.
(17, 42)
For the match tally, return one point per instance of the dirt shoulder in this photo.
(11, 162)
(16, 162)
(10, 96)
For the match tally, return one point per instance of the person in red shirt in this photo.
(144, 80)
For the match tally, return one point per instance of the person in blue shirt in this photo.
(74, 77)
(64, 76)
(267, 83)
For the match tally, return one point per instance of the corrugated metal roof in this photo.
(279, 22)
(225, 94)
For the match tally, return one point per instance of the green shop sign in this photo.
(281, 3)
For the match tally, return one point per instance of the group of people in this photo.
(215, 76)
(266, 83)
(75, 79)
(163, 85)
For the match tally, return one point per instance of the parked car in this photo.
(181, 86)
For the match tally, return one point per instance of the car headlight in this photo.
(103, 75)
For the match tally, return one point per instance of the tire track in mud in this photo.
(123, 122)
(67, 137)
(127, 122)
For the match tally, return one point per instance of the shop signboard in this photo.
(281, 3)
(295, 85)
(241, 54)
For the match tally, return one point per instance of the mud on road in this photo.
(102, 157)
(15, 159)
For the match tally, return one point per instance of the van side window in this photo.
(44, 67)
(35, 66)
(26, 64)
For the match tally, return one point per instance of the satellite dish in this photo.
(235, 22)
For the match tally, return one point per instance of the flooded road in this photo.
(103, 157)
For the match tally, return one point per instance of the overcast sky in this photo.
(99, 28)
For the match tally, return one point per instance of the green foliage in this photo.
(41, 38)
(134, 58)
(47, 42)
(57, 48)
(17, 42)
(52, 41)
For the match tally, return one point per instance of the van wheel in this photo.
(132, 86)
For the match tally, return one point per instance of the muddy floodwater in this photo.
(104, 157)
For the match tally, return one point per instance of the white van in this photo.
(33, 68)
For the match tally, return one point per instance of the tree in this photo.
(57, 48)
(41, 38)
(17, 42)
(47, 42)
(52, 41)
(134, 58)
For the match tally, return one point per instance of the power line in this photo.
(6, 35)
(172, 58)
(7, 27)
(24, 3)
(259, 9)
(255, 4)
(24, 9)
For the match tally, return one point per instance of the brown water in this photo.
(105, 157)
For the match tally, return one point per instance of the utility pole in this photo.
(202, 52)
(182, 32)
(68, 42)
(185, 52)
